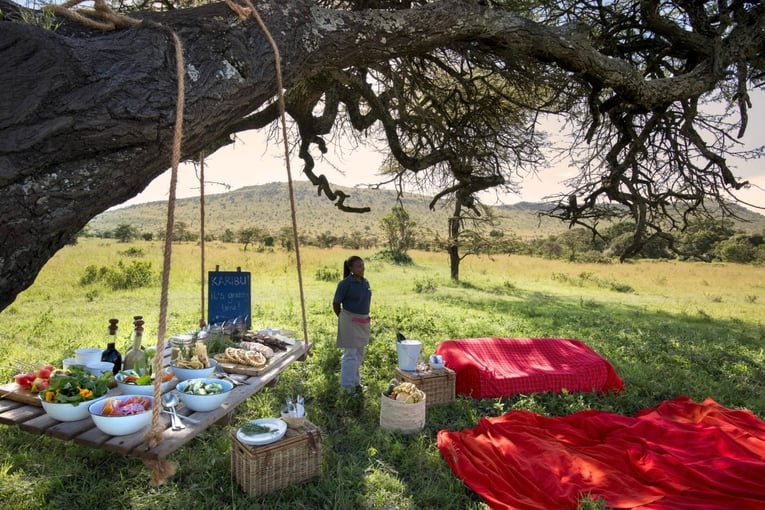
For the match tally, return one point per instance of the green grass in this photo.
(681, 329)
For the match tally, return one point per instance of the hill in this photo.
(267, 207)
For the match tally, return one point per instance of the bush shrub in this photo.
(325, 274)
(122, 276)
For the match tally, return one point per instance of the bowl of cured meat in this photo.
(123, 414)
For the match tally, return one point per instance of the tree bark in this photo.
(86, 117)
(453, 242)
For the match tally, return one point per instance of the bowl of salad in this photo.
(123, 414)
(136, 382)
(204, 394)
(69, 394)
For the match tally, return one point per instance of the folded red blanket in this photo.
(680, 455)
(496, 367)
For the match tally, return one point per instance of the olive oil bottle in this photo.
(135, 357)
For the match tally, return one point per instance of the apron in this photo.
(352, 329)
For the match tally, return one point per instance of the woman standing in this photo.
(351, 305)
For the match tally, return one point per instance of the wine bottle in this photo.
(111, 353)
(399, 335)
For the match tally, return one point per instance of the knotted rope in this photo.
(103, 18)
(245, 12)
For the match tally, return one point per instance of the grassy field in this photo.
(668, 328)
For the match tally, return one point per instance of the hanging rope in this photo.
(103, 18)
(244, 13)
(163, 468)
(202, 237)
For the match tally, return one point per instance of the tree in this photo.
(125, 233)
(398, 229)
(467, 230)
(249, 235)
(88, 115)
(286, 238)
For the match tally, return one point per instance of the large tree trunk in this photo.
(453, 242)
(86, 118)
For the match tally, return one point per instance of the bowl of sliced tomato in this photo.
(132, 382)
(123, 414)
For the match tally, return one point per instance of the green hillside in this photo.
(267, 207)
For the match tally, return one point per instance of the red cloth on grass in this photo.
(496, 367)
(680, 455)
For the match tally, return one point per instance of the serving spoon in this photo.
(222, 374)
(169, 401)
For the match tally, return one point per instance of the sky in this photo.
(254, 160)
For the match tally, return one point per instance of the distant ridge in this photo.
(266, 206)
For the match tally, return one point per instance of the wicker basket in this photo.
(293, 459)
(438, 384)
(401, 417)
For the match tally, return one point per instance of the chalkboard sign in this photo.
(228, 296)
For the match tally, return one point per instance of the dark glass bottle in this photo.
(399, 336)
(111, 353)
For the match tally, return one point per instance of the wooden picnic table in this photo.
(33, 419)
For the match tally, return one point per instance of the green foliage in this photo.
(123, 276)
(326, 274)
(125, 233)
(132, 252)
(737, 249)
(394, 257)
(398, 229)
(425, 285)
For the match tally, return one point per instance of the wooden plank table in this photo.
(33, 419)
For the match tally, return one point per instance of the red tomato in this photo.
(24, 380)
(44, 372)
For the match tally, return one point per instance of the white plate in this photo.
(276, 424)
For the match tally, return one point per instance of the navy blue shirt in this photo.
(354, 295)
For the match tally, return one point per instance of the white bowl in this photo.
(204, 403)
(121, 425)
(183, 374)
(68, 412)
(100, 367)
(69, 362)
(141, 389)
(87, 355)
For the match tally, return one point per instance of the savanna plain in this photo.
(669, 329)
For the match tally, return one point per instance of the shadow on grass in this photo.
(659, 355)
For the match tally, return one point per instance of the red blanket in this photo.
(496, 367)
(680, 455)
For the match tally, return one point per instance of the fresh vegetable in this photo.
(141, 378)
(36, 381)
(76, 386)
(203, 388)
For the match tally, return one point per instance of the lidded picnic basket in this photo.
(400, 416)
(293, 459)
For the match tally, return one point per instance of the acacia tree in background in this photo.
(469, 231)
(398, 228)
(634, 78)
(125, 232)
(249, 235)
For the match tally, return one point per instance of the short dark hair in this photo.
(348, 263)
